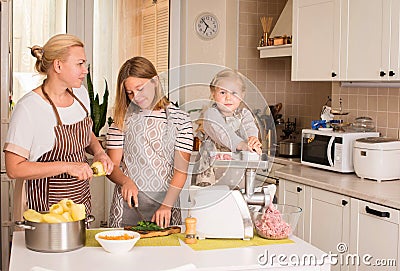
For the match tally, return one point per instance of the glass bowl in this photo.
(279, 223)
(363, 124)
(117, 241)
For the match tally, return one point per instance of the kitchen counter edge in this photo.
(384, 193)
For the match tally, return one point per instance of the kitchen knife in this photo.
(137, 210)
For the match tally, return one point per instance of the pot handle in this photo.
(22, 225)
(89, 219)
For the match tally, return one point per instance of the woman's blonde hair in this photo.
(55, 48)
(138, 67)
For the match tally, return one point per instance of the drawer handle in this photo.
(299, 189)
(344, 202)
(382, 73)
(376, 212)
(392, 73)
(334, 74)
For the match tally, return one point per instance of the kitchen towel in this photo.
(210, 244)
(169, 240)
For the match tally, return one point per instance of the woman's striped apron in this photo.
(69, 146)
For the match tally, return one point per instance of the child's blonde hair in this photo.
(227, 74)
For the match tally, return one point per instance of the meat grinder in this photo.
(224, 213)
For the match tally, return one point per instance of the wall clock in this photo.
(207, 26)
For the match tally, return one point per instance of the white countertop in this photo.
(386, 193)
(163, 258)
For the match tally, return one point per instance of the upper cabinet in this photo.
(346, 40)
(373, 39)
(316, 40)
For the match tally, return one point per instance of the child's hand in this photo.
(254, 144)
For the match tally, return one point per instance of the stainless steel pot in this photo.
(289, 148)
(55, 237)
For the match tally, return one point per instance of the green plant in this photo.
(98, 112)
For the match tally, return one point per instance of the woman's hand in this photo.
(162, 216)
(129, 190)
(102, 157)
(81, 171)
(254, 144)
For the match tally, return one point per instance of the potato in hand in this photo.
(98, 169)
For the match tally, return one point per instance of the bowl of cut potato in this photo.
(117, 241)
(62, 228)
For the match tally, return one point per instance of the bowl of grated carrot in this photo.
(117, 241)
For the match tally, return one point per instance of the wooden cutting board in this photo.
(155, 233)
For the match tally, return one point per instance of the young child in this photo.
(227, 125)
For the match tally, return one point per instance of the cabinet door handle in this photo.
(392, 73)
(344, 202)
(299, 189)
(382, 73)
(376, 212)
(334, 74)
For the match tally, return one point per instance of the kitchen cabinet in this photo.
(316, 40)
(291, 193)
(375, 231)
(372, 50)
(329, 216)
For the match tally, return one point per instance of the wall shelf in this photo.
(275, 51)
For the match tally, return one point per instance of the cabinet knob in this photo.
(392, 73)
(299, 189)
(382, 73)
(344, 202)
(334, 74)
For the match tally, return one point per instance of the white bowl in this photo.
(117, 246)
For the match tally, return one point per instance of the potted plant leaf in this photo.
(98, 112)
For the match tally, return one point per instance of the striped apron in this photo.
(69, 146)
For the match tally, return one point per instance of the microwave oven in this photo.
(330, 150)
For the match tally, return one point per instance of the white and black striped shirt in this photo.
(180, 119)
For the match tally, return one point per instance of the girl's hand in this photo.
(162, 216)
(129, 190)
(102, 157)
(80, 170)
(254, 144)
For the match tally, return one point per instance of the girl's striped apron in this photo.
(69, 146)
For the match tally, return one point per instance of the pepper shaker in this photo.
(190, 237)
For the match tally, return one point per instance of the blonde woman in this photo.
(150, 143)
(50, 129)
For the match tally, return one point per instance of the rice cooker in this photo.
(377, 158)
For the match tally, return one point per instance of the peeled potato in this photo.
(33, 216)
(67, 216)
(53, 218)
(78, 212)
(98, 169)
(56, 209)
(66, 204)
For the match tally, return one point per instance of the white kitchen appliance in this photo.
(221, 212)
(377, 158)
(330, 150)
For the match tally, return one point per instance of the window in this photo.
(33, 23)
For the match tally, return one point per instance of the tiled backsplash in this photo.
(381, 104)
(304, 100)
